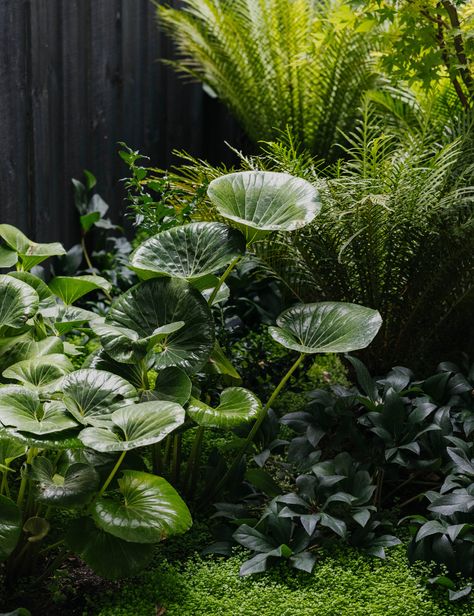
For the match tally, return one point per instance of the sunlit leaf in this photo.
(237, 406)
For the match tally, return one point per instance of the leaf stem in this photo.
(112, 475)
(222, 279)
(193, 461)
(251, 435)
(24, 480)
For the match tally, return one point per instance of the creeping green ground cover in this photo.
(344, 583)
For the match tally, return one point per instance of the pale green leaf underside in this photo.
(237, 406)
(135, 426)
(18, 302)
(190, 251)
(326, 327)
(71, 288)
(147, 510)
(264, 201)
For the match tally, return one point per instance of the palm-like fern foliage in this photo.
(301, 64)
(396, 233)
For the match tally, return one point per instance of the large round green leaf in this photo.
(189, 252)
(22, 409)
(10, 527)
(75, 487)
(71, 288)
(135, 426)
(65, 440)
(174, 385)
(326, 327)
(147, 510)
(162, 301)
(92, 395)
(237, 406)
(18, 302)
(9, 450)
(46, 298)
(30, 253)
(40, 372)
(100, 360)
(259, 202)
(109, 556)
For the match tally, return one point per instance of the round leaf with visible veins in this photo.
(326, 327)
(75, 487)
(92, 395)
(10, 527)
(41, 371)
(135, 426)
(237, 406)
(22, 409)
(46, 298)
(259, 202)
(190, 251)
(162, 301)
(147, 510)
(109, 556)
(18, 302)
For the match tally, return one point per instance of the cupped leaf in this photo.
(8, 257)
(37, 528)
(109, 556)
(71, 288)
(158, 302)
(10, 527)
(135, 426)
(30, 253)
(259, 202)
(66, 440)
(75, 487)
(326, 327)
(19, 348)
(41, 371)
(92, 395)
(237, 406)
(46, 298)
(146, 510)
(18, 302)
(190, 251)
(100, 360)
(22, 409)
(66, 318)
(10, 450)
(174, 385)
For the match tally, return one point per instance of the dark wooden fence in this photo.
(76, 77)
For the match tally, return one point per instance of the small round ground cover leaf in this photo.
(135, 426)
(18, 302)
(22, 409)
(237, 406)
(189, 251)
(109, 556)
(71, 288)
(263, 201)
(75, 487)
(92, 395)
(146, 510)
(10, 526)
(161, 301)
(326, 327)
(40, 371)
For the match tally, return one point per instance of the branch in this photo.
(459, 45)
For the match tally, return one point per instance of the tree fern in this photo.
(301, 65)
